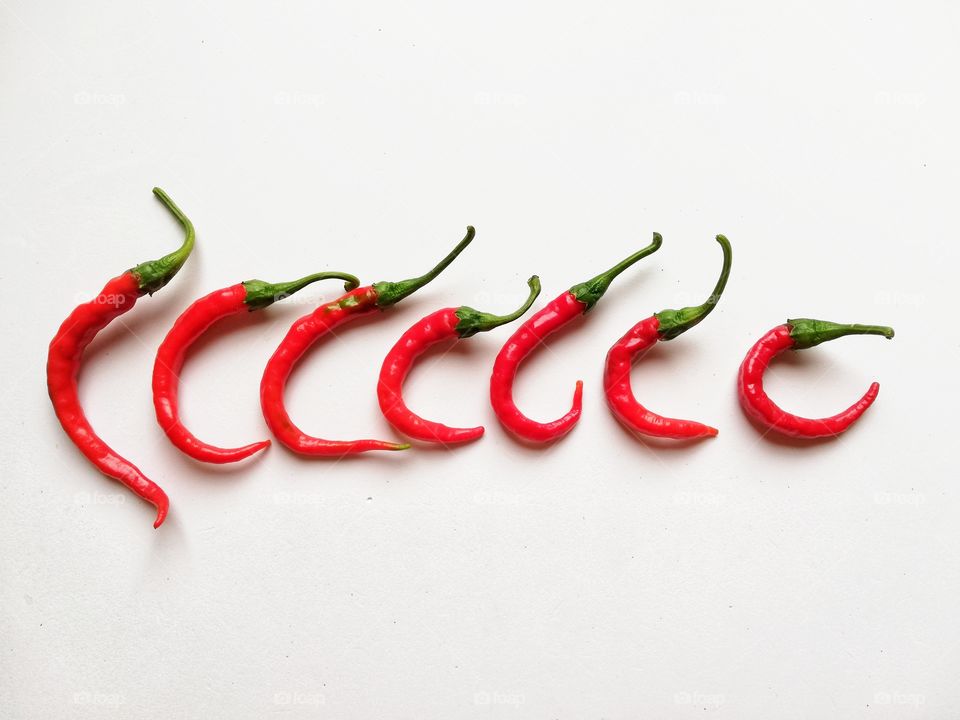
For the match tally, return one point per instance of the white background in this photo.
(600, 578)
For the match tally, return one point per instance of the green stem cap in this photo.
(806, 332)
(473, 321)
(390, 293)
(677, 322)
(154, 274)
(262, 294)
(592, 290)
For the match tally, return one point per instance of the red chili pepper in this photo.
(454, 322)
(246, 296)
(310, 328)
(78, 330)
(665, 325)
(797, 335)
(576, 301)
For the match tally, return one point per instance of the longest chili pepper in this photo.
(799, 334)
(576, 301)
(664, 325)
(79, 329)
(243, 297)
(310, 328)
(453, 322)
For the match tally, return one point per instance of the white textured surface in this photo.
(598, 579)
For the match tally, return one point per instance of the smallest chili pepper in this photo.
(799, 334)
(453, 322)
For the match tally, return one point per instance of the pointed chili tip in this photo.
(162, 509)
(261, 445)
(399, 446)
(711, 432)
(578, 393)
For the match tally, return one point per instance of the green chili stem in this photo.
(154, 274)
(261, 294)
(592, 290)
(473, 321)
(390, 293)
(676, 322)
(806, 332)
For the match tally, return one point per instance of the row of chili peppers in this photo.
(121, 293)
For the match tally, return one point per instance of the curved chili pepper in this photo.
(193, 322)
(576, 301)
(454, 322)
(799, 334)
(78, 330)
(665, 325)
(310, 328)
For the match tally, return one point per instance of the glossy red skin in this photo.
(434, 328)
(766, 412)
(302, 334)
(528, 336)
(619, 392)
(63, 365)
(166, 373)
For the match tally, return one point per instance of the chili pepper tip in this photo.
(161, 515)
